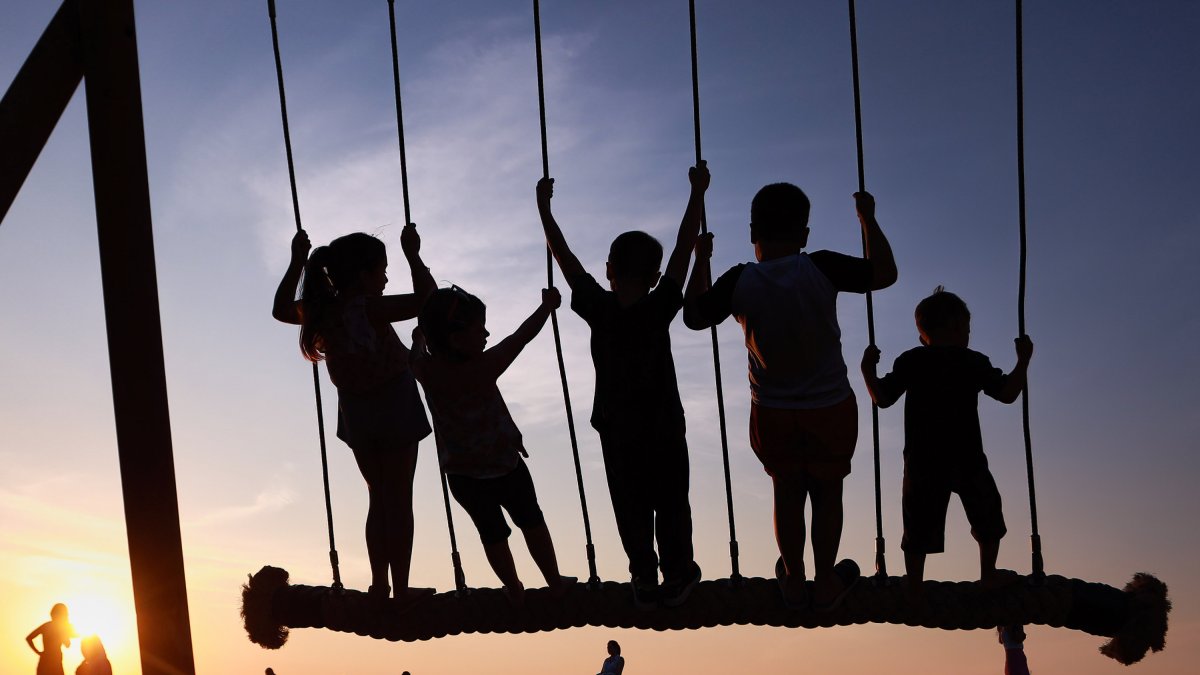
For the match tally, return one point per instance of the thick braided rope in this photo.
(1136, 615)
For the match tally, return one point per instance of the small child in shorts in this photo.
(943, 446)
(479, 445)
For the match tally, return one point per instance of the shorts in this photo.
(926, 497)
(818, 442)
(390, 415)
(482, 499)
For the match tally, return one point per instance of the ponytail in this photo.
(331, 272)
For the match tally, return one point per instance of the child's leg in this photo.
(370, 466)
(518, 496)
(981, 501)
(499, 556)
(989, 550)
(541, 549)
(791, 491)
(631, 506)
(399, 466)
(826, 536)
(914, 570)
(673, 511)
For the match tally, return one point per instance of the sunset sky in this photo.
(1111, 146)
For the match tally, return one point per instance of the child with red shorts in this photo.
(803, 415)
(943, 446)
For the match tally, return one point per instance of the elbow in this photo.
(884, 278)
(693, 321)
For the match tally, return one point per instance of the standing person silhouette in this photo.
(615, 663)
(56, 634)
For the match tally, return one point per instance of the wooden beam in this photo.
(36, 99)
(139, 384)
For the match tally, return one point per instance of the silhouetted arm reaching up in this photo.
(499, 358)
(689, 227)
(285, 308)
(879, 251)
(567, 262)
(1014, 384)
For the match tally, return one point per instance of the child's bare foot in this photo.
(516, 594)
(997, 579)
(832, 589)
(791, 586)
(411, 595)
(562, 586)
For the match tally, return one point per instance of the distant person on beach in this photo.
(615, 663)
(1013, 639)
(803, 414)
(56, 634)
(95, 658)
(346, 320)
(943, 446)
(479, 446)
(637, 409)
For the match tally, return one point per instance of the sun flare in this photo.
(103, 616)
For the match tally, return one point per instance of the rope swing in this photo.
(1035, 539)
(593, 578)
(460, 579)
(880, 561)
(287, 142)
(735, 575)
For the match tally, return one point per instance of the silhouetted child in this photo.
(636, 409)
(56, 634)
(943, 446)
(345, 319)
(479, 445)
(95, 659)
(803, 414)
(615, 663)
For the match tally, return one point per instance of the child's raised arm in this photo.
(880, 395)
(497, 359)
(689, 227)
(698, 285)
(1014, 384)
(879, 251)
(405, 306)
(285, 308)
(567, 262)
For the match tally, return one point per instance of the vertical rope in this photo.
(735, 574)
(880, 545)
(287, 141)
(593, 578)
(1035, 538)
(460, 580)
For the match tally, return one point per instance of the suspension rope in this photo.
(593, 578)
(460, 580)
(880, 545)
(735, 576)
(1035, 538)
(287, 141)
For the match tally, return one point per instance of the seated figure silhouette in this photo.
(56, 634)
(615, 663)
(95, 658)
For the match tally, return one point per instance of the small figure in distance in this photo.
(479, 445)
(615, 663)
(95, 658)
(803, 413)
(943, 446)
(1013, 639)
(345, 319)
(56, 634)
(637, 409)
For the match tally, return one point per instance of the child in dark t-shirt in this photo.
(636, 409)
(943, 446)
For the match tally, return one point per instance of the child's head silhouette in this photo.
(448, 314)
(943, 318)
(779, 212)
(340, 267)
(93, 649)
(635, 257)
(58, 612)
(613, 648)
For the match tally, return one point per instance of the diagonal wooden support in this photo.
(96, 40)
